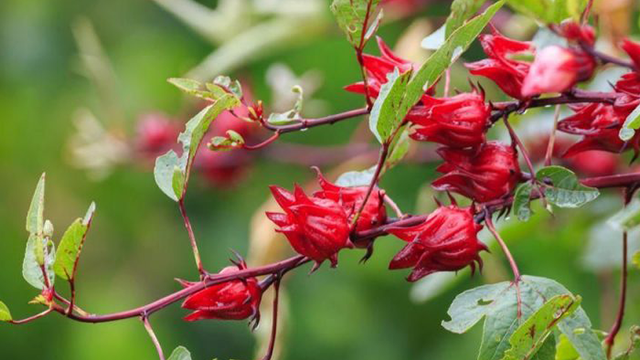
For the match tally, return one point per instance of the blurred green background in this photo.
(137, 243)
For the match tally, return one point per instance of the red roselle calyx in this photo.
(482, 174)
(459, 121)
(351, 198)
(557, 69)
(231, 300)
(315, 227)
(500, 66)
(446, 241)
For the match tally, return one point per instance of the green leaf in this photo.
(531, 335)
(35, 215)
(172, 171)
(547, 351)
(386, 116)
(549, 11)
(180, 353)
(631, 124)
(497, 304)
(231, 85)
(521, 200)
(291, 115)
(628, 217)
(442, 59)
(356, 178)
(351, 15)
(31, 268)
(565, 190)
(233, 140)
(71, 245)
(461, 11)
(398, 149)
(564, 349)
(5, 314)
(635, 260)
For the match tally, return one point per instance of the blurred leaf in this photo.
(565, 191)
(5, 314)
(172, 172)
(71, 244)
(530, 335)
(351, 16)
(180, 353)
(440, 60)
(434, 40)
(628, 217)
(356, 178)
(31, 269)
(461, 10)
(636, 259)
(35, 215)
(549, 11)
(497, 303)
(521, 201)
(385, 116)
(291, 115)
(194, 87)
(547, 351)
(631, 124)
(634, 344)
(564, 349)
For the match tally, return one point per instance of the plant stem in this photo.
(192, 238)
(384, 151)
(309, 123)
(552, 137)
(274, 321)
(31, 318)
(152, 335)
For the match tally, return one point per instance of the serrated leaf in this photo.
(521, 200)
(35, 215)
(31, 270)
(292, 115)
(631, 124)
(351, 15)
(5, 314)
(356, 178)
(385, 115)
(440, 60)
(497, 303)
(180, 353)
(530, 336)
(172, 171)
(628, 217)
(565, 190)
(70, 246)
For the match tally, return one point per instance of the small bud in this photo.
(48, 229)
(557, 69)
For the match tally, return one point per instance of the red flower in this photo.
(557, 69)
(594, 163)
(599, 124)
(315, 227)
(350, 198)
(231, 300)
(446, 241)
(633, 50)
(506, 72)
(483, 174)
(459, 121)
(156, 134)
(377, 68)
(575, 32)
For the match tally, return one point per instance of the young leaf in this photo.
(172, 172)
(385, 116)
(70, 246)
(521, 201)
(351, 16)
(356, 178)
(31, 268)
(233, 140)
(530, 336)
(5, 314)
(440, 60)
(228, 84)
(35, 215)
(291, 115)
(631, 124)
(628, 217)
(497, 303)
(180, 353)
(565, 190)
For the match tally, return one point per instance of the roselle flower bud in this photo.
(633, 50)
(487, 173)
(459, 121)
(557, 69)
(599, 124)
(351, 198)
(446, 241)
(231, 300)
(156, 134)
(500, 67)
(377, 68)
(315, 227)
(575, 32)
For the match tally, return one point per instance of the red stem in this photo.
(192, 238)
(31, 318)
(374, 180)
(274, 321)
(152, 335)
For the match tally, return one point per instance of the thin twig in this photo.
(552, 137)
(152, 335)
(192, 238)
(274, 321)
(31, 318)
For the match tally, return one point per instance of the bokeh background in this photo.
(73, 70)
